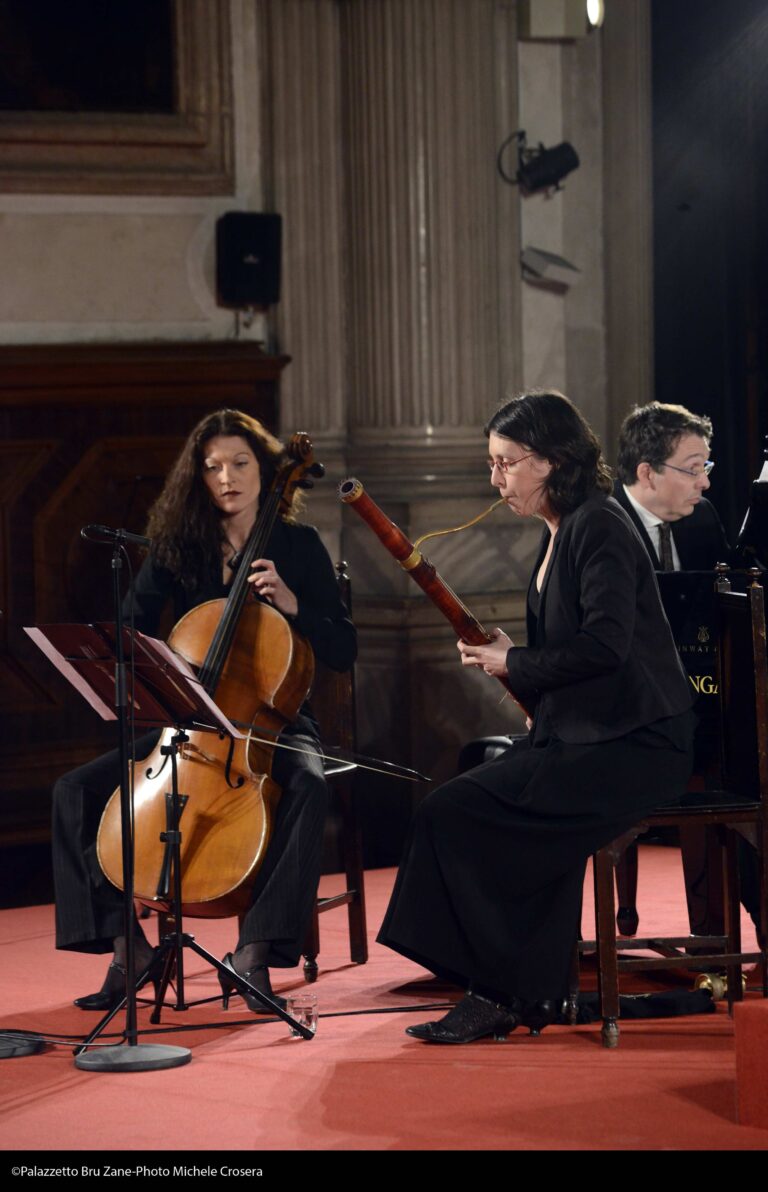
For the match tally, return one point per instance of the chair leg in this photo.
(605, 935)
(352, 856)
(762, 931)
(732, 910)
(571, 1006)
(353, 868)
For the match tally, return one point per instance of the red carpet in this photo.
(361, 1084)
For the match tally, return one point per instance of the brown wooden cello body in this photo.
(259, 671)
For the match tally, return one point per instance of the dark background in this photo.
(710, 187)
(86, 56)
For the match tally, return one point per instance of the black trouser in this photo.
(702, 867)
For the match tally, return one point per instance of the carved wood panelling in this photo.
(88, 433)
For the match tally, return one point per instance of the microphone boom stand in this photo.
(82, 654)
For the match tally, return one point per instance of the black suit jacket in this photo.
(600, 660)
(699, 538)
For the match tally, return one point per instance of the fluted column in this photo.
(303, 170)
(628, 197)
(433, 317)
(401, 312)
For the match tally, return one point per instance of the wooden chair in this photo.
(333, 702)
(740, 807)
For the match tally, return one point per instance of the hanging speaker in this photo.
(248, 259)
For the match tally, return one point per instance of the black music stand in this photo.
(165, 691)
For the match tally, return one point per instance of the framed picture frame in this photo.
(181, 143)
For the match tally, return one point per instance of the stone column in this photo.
(300, 64)
(628, 199)
(401, 311)
(434, 328)
(429, 94)
(583, 239)
(302, 167)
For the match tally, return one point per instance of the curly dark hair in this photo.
(650, 435)
(184, 523)
(549, 424)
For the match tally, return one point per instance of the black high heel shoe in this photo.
(254, 977)
(112, 991)
(474, 1017)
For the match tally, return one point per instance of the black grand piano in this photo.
(688, 599)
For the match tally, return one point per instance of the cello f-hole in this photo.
(228, 769)
(148, 772)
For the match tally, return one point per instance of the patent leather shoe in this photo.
(538, 1015)
(474, 1017)
(112, 991)
(254, 976)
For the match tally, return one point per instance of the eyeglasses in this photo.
(696, 472)
(505, 464)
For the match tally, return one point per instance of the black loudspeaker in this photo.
(248, 259)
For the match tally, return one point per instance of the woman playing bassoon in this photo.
(488, 894)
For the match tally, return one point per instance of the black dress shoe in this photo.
(538, 1015)
(258, 976)
(474, 1017)
(112, 991)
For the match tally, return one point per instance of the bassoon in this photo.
(421, 571)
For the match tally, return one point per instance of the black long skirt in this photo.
(489, 889)
(89, 909)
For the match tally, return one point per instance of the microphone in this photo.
(105, 535)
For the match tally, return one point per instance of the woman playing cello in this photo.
(198, 526)
(489, 890)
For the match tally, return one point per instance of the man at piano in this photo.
(663, 471)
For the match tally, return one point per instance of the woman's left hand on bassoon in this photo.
(491, 658)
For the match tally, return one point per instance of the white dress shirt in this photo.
(651, 525)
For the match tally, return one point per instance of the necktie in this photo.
(665, 547)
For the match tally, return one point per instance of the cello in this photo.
(259, 670)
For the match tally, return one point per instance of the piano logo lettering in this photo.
(703, 684)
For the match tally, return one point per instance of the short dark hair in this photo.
(650, 434)
(550, 425)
